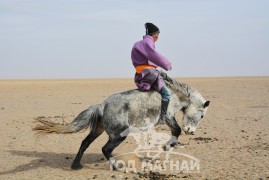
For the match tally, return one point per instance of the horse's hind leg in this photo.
(109, 147)
(176, 131)
(85, 144)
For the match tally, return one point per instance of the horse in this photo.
(130, 109)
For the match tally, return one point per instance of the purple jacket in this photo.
(144, 53)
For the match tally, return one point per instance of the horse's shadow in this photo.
(50, 159)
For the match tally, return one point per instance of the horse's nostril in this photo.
(192, 133)
(188, 128)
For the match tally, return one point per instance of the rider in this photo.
(145, 60)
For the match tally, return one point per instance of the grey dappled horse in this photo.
(130, 108)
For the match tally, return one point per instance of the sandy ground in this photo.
(232, 141)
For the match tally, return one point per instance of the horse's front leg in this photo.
(176, 131)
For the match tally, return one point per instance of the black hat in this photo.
(151, 29)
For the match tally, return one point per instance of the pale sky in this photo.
(94, 38)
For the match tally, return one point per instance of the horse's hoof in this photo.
(173, 144)
(76, 166)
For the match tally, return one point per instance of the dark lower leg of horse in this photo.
(109, 147)
(84, 145)
(176, 130)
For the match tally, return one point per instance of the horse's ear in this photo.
(206, 104)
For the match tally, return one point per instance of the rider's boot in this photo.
(163, 115)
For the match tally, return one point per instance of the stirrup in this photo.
(161, 121)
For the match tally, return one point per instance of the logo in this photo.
(153, 153)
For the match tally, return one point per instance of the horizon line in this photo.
(100, 78)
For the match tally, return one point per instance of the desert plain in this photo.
(231, 142)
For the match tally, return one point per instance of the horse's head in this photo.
(192, 114)
(194, 106)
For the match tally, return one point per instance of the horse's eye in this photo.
(202, 117)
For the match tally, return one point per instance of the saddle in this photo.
(166, 77)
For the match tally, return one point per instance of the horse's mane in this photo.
(184, 91)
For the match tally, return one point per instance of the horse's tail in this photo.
(87, 118)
